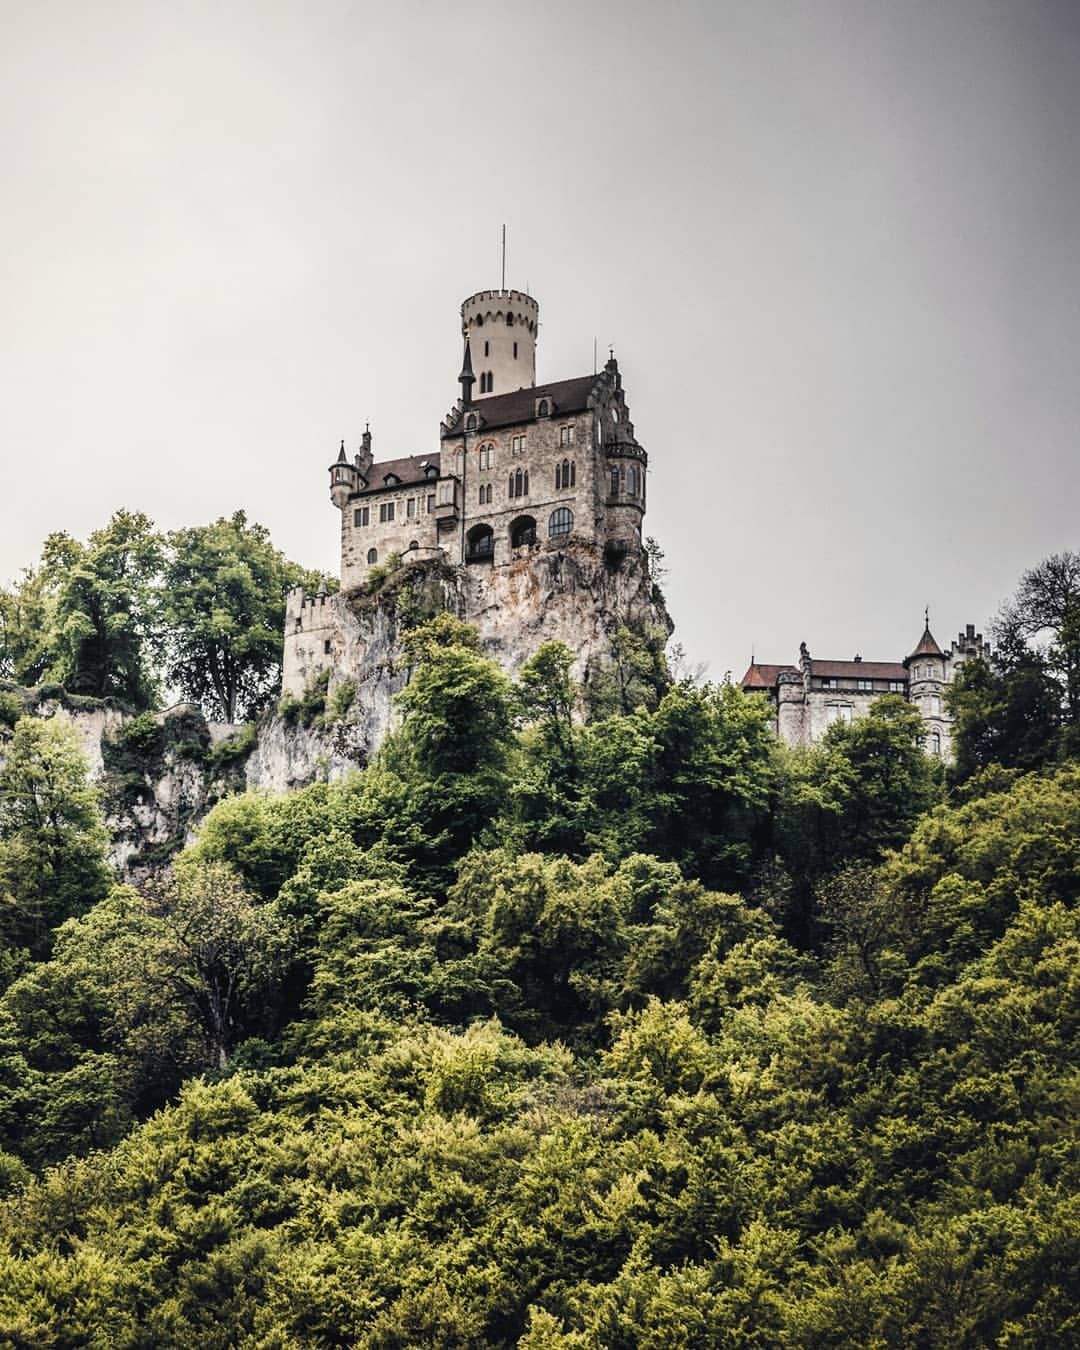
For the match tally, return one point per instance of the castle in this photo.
(535, 497)
(529, 517)
(808, 698)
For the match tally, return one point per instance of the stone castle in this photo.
(527, 523)
(808, 698)
(527, 519)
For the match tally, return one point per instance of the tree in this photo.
(221, 952)
(105, 610)
(224, 612)
(27, 634)
(52, 840)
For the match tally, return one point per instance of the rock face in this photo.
(161, 772)
(576, 593)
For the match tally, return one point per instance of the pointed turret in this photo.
(466, 379)
(344, 479)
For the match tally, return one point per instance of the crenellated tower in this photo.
(501, 327)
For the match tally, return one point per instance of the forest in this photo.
(634, 1029)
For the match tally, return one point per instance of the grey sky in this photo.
(835, 245)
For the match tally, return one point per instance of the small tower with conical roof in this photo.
(344, 479)
(927, 677)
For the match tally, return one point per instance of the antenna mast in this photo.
(504, 258)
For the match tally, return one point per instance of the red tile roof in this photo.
(866, 670)
(409, 470)
(762, 676)
(507, 410)
(927, 646)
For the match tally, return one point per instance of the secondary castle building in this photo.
(520, 466)
(809, 698)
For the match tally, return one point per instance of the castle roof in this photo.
(759, 675)
(865, 670)
(927, 646)
(407, 470)
(508, 410)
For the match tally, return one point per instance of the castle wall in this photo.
(386, 537)
(311, 639)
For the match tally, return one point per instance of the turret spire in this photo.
(467, 379)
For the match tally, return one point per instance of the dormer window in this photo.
(470, 422)
(391, 480)
(543, 408)
(430, 471)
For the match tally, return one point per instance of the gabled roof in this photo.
(759, 675)
(927, 646)
(409, 470)
(507, 410)
(865, 670)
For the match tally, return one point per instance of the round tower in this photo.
(501, 327)
(344, 479)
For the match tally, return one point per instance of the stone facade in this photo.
(810, 697)
(529, 483)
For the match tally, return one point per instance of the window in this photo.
(566, 435)
(935, 705)
(431, 504)
(487, 382)
(565, 475)
(560, 521)
(632, 480)
(829, 683)
(372, 556)
(935, 743)
(487, 348)
(509, 321)
(391, 480)
(515, 351)
(614, 482)
(326, 646)
(519, 483)
(470, 421)
(386, 511)
(413, 543)
(522, 532)
(896, 686)
(614, 414)
(480, 544)
(410, 508)
(542, 408)
(865, 685)
(361, 516)
(485, 456)
(430, 471)
(485, 494)
(517, 445)
(838, 712)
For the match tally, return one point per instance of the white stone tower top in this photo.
(501, 327)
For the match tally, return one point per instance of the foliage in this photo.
(224, 587)
(52, 840)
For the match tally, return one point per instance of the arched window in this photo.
(542, 408)
(614, 481)
(372, 556)
(480, 544)
(522, 532)
(470, 422)
(519, 483)
(485, 456)
(479, 321)
(631, 480)
(565, 475)
(414, 543)
(561, 521)
(487, 348)
(509, 321)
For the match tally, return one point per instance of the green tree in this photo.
(27, 627)
(105, 610)
(223, 611)
(52, 840)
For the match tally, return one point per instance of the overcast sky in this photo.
(835, 244)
